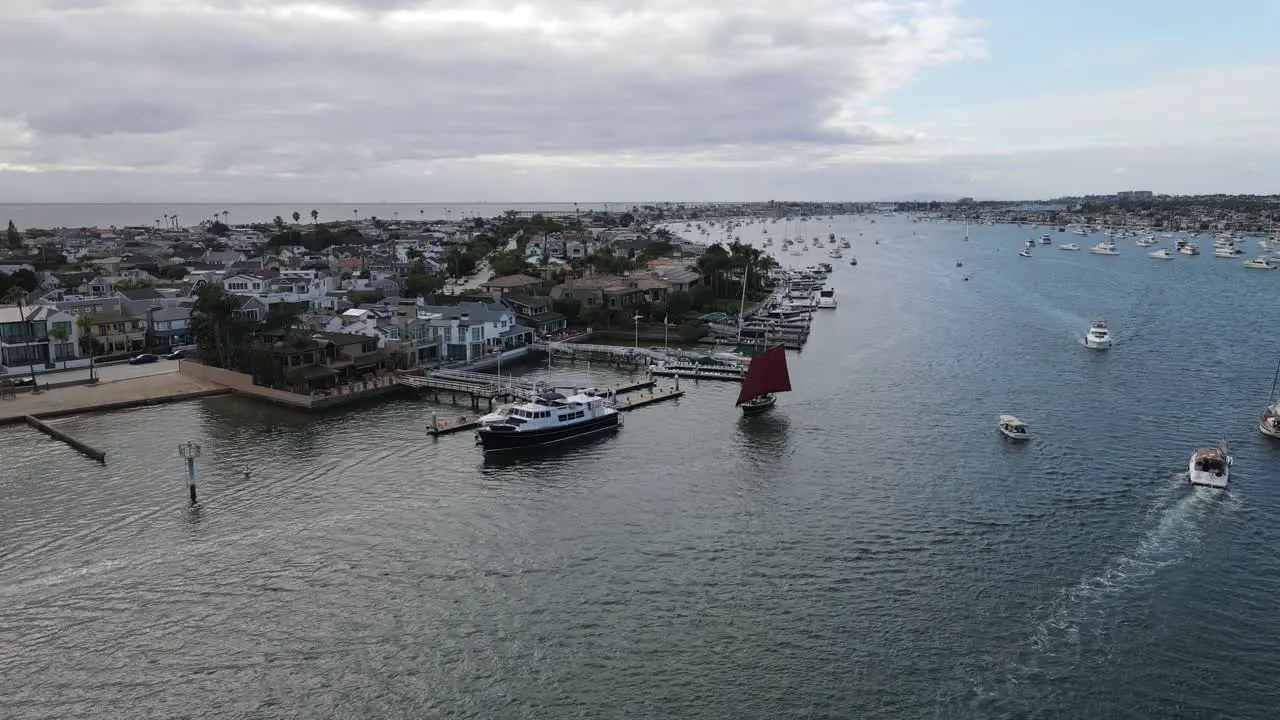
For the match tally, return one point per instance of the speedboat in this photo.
(1261, 263)
(853, 261)
(1046, 240)
(1013, 428)
(1070, 246)
(1210, 467)
(1161, 254)
(550, 418)
(1025, 252)
(827, 299)
(1099, 336)
(1106, 247)
(1188, 248)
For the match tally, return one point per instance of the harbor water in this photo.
(871, 547)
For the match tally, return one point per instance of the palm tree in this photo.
(174, 218)
(17, 297)
(296, 217)
(314, 214)
(62, 335)
(224, 217)
(84, 331)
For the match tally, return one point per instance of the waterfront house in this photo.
(313, 361)
(517, 284)
(168, 326)
(114, 331)
(27, 339)
(535, 312)
(677, 277)
(613, 293)
(471, 329)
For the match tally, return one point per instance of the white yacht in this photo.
(1210, 467)
(1099, 335)
(550, 418)
(1105, 247)
(1148, 240)
(1046, 240)
(1261, 263)
(1072, 247)
(1013, 428)
(1227, 251)
(1188, 248)
(1162, 254)
(827, 299)
(835, 253)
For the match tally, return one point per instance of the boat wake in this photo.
(1074, 627)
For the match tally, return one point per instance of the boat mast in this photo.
(1274, 378)
(742, 305)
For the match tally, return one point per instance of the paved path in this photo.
(154, 386)
(108, 373)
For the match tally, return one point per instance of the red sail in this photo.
(767, 373)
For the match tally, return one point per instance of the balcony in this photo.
(16, 340)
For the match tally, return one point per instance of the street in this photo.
(107, 373)
(482, 274)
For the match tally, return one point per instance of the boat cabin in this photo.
(1012, 426)
(1210, 461)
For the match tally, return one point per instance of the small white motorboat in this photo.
(1162, 254)
(1106, 247)
(1210, 467)
(1099, 335)
(1072, 247)
(1013, 428)
(1025, 252)
(1261, 263)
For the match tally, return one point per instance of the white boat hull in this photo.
(1270, 429)
(1208, 479)
(1097, 344)
(1014, 435)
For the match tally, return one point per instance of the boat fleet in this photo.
(1225, 246)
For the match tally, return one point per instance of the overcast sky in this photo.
(606, 100)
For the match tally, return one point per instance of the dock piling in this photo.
(189, 451)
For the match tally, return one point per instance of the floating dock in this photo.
(728, 376)
(654, 395)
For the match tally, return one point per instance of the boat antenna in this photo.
(1273, 381)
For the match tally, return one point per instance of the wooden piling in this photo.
(53, 432)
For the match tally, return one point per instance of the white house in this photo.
(27, 339)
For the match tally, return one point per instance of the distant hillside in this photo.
(923, 197)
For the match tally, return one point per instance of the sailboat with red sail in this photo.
(766, 375)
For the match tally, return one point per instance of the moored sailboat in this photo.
(766, 375)
(1269, 423)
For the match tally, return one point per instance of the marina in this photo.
(1045, 570)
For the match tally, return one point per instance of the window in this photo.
(477, 334)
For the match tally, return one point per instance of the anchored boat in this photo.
(549, 418)
(1013, 428)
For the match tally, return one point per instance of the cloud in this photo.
(337, 90)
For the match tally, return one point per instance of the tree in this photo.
(60, 333)
(50, 261)
(507, 262)
(702, 298)
(422, 285)
(314, 215)
(25, 279)
(12, 237)
(84, 331)
(679, 303)
(567, 306)
(278, 222)
(691, 330)
(589, 314)
(296, 217)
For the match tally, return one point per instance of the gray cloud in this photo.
(89, 120)
(225, 86)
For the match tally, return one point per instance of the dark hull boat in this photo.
(495, 438)
(549, 419)
(766, 375)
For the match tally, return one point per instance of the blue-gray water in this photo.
(871, 548)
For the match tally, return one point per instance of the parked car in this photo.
(143, 359)
(24, 382)
(176, 355)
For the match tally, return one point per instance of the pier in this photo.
(85, 449)
(634, 399)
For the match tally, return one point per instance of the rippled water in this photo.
(871, 548)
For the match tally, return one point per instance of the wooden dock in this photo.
(633, 399)
(727, 376)
(650, 398)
